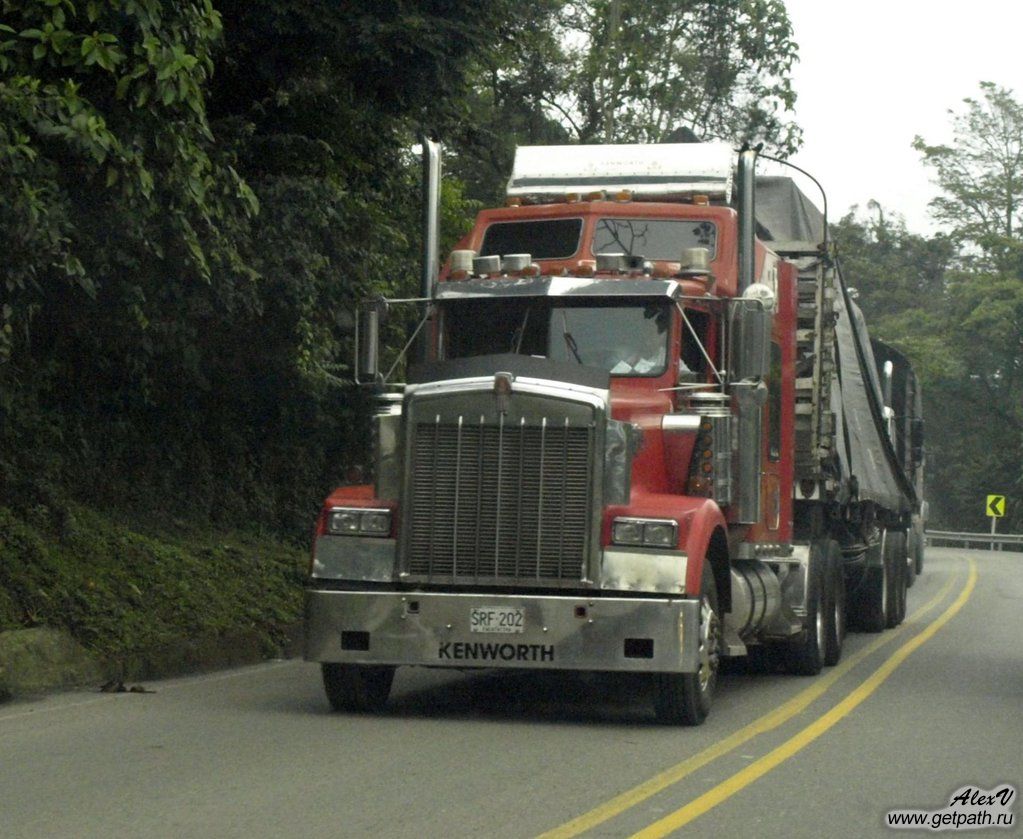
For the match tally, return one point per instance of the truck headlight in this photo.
(376, 523)
(358, 522)
(650, 533)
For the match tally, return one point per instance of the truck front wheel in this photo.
(357, 687)
(685, 698)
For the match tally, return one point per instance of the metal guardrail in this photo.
(987, 541)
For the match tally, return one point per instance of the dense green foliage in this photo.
(162, 587)
(593, 71)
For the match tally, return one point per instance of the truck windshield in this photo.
(662, 239)
(626, 339)
(544, 239)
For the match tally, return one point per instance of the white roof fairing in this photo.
(665, 171)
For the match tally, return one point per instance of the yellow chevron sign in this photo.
(996, 506)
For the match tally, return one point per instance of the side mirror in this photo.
(367, 339)
(750, 329)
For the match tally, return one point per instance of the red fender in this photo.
(357, 495)
(697, 519)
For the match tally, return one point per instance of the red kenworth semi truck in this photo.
(647, 431)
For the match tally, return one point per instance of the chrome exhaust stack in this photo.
(747, 182)
(431, 217)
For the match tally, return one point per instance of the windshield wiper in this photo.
(520, 333)
(569, 340)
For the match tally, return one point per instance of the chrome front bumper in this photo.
(559, 633)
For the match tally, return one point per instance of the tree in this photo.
(106, 156)
(119, 215)
(642, 71)
(981, 176)
(602, 71)
(512, 100)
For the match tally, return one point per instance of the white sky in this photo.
(875, 73)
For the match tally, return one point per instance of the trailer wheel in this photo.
(873, 593)
(895, 559)
(685, 698)
(806, 656)
(357, 687)
(834, 625)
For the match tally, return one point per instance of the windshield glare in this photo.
(625, 340)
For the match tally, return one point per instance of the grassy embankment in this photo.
(126, 593)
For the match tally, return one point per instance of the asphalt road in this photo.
(908, 717)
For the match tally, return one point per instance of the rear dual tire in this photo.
(881, 596)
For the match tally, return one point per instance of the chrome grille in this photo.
(491, 500)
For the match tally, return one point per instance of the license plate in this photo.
(498, 619)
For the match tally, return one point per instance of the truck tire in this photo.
(895, 559)
(805, 657)
(873, 593)
(834, 624)
(685, 698)
(357, 687)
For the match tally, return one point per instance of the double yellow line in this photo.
(626, 800)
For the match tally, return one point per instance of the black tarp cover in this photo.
(785, 214)
(865, 452)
